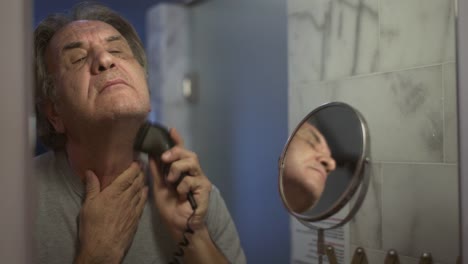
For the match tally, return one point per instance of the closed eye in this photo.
(79, 60)
(311, 143)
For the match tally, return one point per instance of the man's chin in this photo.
(124, 115)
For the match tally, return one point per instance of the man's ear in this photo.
(53, 116)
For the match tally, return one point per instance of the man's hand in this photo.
(171, 200)
(108, 219)
(174, 206)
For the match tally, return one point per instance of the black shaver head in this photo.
(153, 139)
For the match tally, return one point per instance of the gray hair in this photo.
(44, 86)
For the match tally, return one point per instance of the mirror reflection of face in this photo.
(308, 162)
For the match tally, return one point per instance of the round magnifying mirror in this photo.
(323, 163)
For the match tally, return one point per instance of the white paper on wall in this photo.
(304, 240)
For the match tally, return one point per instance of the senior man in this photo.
(95, 204)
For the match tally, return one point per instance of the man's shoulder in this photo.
(45, 166)
(44, 158)
(217, 206)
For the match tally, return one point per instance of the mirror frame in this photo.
(360, 176)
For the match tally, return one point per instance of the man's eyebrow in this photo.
(314, 134)
(78, 44)
(114, 38)
(72, 45)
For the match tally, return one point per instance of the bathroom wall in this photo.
(16, 184)
(394, 61)
(238, 124)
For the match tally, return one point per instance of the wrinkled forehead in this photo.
(81, 31)
(309, 130)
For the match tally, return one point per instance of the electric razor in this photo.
(154, 139)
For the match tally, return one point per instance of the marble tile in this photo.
(168, 63)
(450, 113)
(296, 110)
(366, 226)
(415, 33)
(304, 98)
(420, 210)
(178, 116)
(168, 51)
(328, 39)
(403, 111)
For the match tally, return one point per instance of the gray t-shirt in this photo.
(60, 196)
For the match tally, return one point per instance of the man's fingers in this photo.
(178, 140)
(125, 180)
(178, 153)
(140, 205)
(186, 167)
(137, 184)
(93, 187)
(140, 195)
(184, 187)
(197, 185)
(200, 189)
(158, 180)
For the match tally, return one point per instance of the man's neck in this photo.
(106, 151)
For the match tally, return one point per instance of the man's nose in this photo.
(103, 61)
(327, 162)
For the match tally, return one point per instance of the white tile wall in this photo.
(169, 62)
(303, 98)
(450, 113)
(397, 67)
(420, 210)
(331, 39)
(366, 226)
(415, 33)
(402, 109)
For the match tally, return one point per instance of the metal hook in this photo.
(426, 258)
(331, 255)
(392, 257)
(359, 257)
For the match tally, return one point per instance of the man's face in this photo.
(307, 165)
(95, 75)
